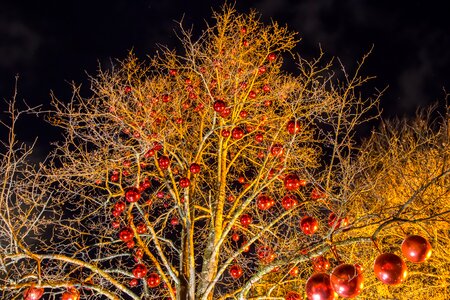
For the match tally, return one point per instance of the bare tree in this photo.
(211, 174)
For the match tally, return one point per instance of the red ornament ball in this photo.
(139, 271)
(390, 269)
(246, 220)
(265, 254)
(163, 162)
(226, 112)
(309, 225)
(71, 294)
(195, 168)
(347, 280)
(132, 194)
(126, 234)
(127, 89)
(219, 106)
(141, 228)
(293, 127)
(173, 72)
(153, 280)
(33, 293)
(292, 182)
(133, 282)
(252, 94)
(120, 206)
(225, 133)
(271, 56)
(235, 271)
(237, 133)
(416, 249)
(320, 264)
(294, 271)
(235, 237)
(318, 287)
(288, 202)
(184, 182)
(317, 194)
(292, 296)
(277, 150)
(174, 221)
(335, 222)
(265, 202)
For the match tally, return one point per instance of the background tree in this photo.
(210, 174)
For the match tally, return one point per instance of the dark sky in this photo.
(50, 43)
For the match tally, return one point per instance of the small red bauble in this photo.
(271, 56)
(317, 194)
(132, 194)
(225, 133)
(71, 294)
(266, 88)
(130, 244)
(219, 106)
(243, 30)
(292, 296)
(116, 213)
(195, 168)
(259, 137)
(264, 202)
(166, 98)
(126, 234)
(293, 127)
(114, 177)
(243, 114)
(127, 89)
(318, 287)
(33, 293)
(261, 70)
(139, 253)
(174, 221)
(277, 150)
(115, 224)
(141, 228)
(153, 280)
(416, 249)
(292, 182)
(184, 182)
(163, 162)
(139, 271)
(133, 282)
(252, 95)
(347, 280)
(235, 271)
(320, 264)
(235, 237)
(246, 220)
(390, 269)
(289, 202)
(265, 254)
(237, 133)
(309, 225)
(149, 153)
(226, 112)
(335, 222)
(294, 271)
(173, 72)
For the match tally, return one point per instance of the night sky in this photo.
(51, 43)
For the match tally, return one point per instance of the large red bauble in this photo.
(195, 168)
(126, 234)
(318, 287)
(184, 182)
(292, 296)
(139, 271)
(416, 249)
(141, 228)
(320, 264)
(264, 202)
(293, 127)
(347, 280)
(71, 294)
(291, 182)
(163, 162)
(132, 194)
(237, 133)
(246, 220)
(33, 293)
(277, 150)
(309, 225)
(289, 202)
(265, 254)
(390, 269)
(219, 106)
(334, 221)
(235, 271)
(153, 280)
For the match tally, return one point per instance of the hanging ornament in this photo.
(318, 287)
(416, 249)
(390, 269)
(347, 280)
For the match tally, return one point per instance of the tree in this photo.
(210, 174)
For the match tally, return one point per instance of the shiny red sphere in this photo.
(219, 106)
(33, 293)
(271, 56)
(292, 182)
(317, 194)
(195, 168)
(120, 206)
(265, 254)
(292, 296)
(139, 271)
(318, 287)
(294, 271)
(309, 225)
(277, 150)
(163, 162)
(347, 280)
(126, 234)
(293, 127)
(237, 133)
(226, 112)
(246, 220)
(416, 249)
(235, 271)
(390, 269)
(289, 202)
(335, 222)
(132, 194)
(133, 282)
(225, 133)
(174, 221)
(320, 264)
(264, 202)
(184, 182)
(153, 280)
(259, 137)
(141, 228)
(252, 95)
(71, 294)
(266, 88)
(235, 237)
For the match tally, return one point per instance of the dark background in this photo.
(51, 43)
